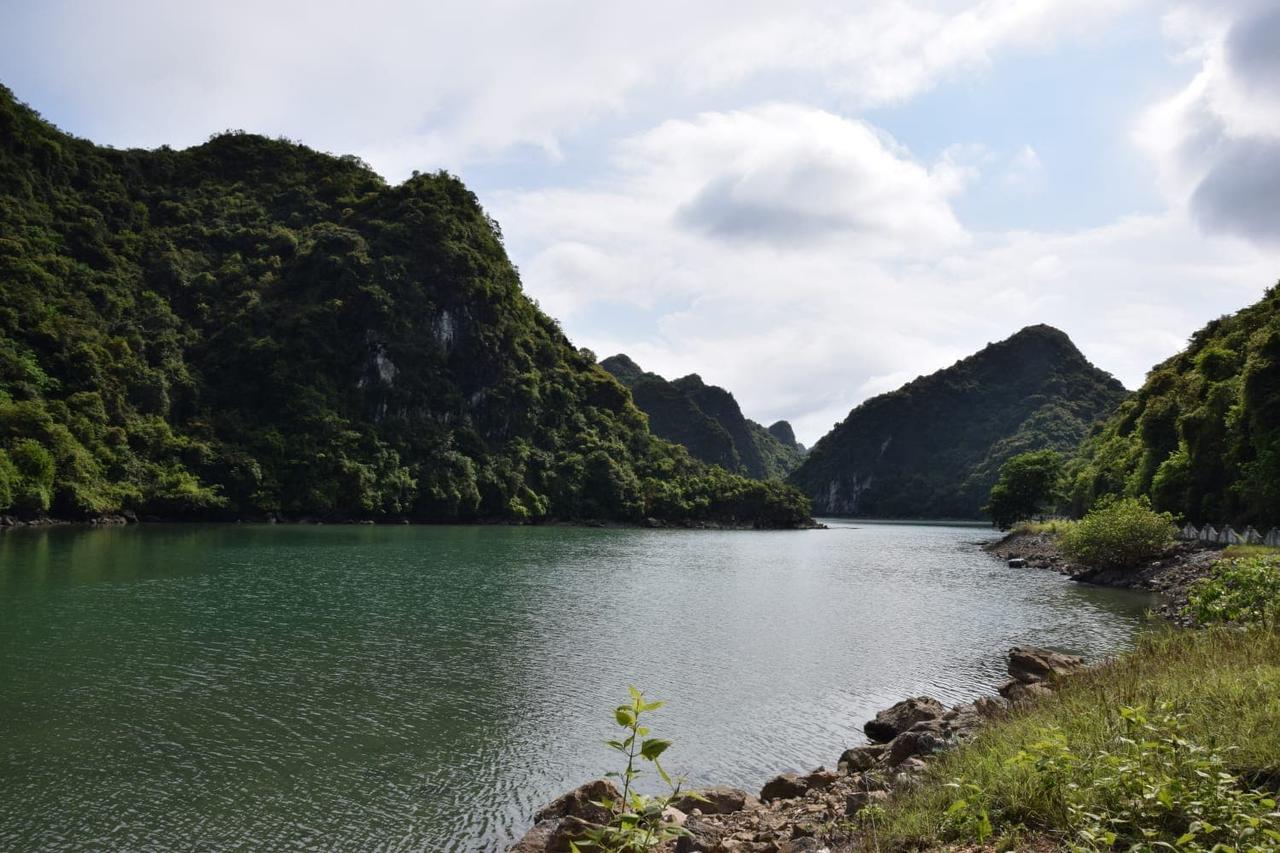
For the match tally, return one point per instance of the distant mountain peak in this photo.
(706, 419)
(934, 447)
(782, 431)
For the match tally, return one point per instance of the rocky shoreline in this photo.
(819, 810)
(1170, 575)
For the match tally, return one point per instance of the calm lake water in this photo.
(427, 688)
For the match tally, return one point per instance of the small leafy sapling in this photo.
(639, 821)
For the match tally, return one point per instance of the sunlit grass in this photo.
(1232, 552)
(1051, 527)
(1226, 682)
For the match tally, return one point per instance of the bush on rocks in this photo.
(1119, 534)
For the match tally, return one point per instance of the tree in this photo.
(1028, 485)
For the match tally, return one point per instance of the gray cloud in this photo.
(723, 210)
(1241, 193)
(1218, 141)
(1253, 48)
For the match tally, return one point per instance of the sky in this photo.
(808, 203)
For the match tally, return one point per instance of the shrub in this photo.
(35, 467)
(1119, 534)
(8, 479)
(1240, 591)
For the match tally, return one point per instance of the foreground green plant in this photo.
(1153, 787)
(638, 822)
(1039, 770)
(1241, 591)
(1119, 534)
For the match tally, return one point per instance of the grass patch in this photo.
(1216, 691)
(1051, 527)
(1240, 552)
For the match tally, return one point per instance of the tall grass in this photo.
(1224, 685)
(1238, 552)
(1050, 527)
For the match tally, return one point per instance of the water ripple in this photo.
(427, 689)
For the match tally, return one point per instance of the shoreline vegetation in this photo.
(1171, 745)
(9, 522)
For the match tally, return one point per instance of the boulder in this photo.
(1031, 665)
(581, 803)
(821, 779)
(893, 721)
(859, 800)
(990, 706)
(702, 834)
(718, 799)
(806, 844)
(1017, 691)
(861, 758)
(537, 840)
(552, 836)
(1017, 563)
(785, 786)
(913, 744)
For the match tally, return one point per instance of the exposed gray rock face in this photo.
(893, 721)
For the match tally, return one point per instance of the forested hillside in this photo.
(707, 421)
(1202, 435)
(933, 448)
(250, 327)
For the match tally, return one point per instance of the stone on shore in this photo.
(567, 818)
(1017, 691)
(581, 803)
(784, 786)
(895, 720)
(861, 758)
(1033, 665)
(718, 799)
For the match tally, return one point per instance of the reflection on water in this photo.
(413, 688)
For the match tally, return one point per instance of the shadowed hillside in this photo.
(933, 448)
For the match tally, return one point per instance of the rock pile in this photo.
(811, 812)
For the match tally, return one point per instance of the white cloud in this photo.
(1025, 172)
(425, 85)
(827, 290)
(798, 256)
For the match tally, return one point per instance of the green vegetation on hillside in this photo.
(934, 448)
(1202, 435)
(706, 420)
(1027, 487)
(250, 327)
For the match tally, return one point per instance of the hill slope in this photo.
(707, 421)
(933, 448)
(250, 327)
(1202, 435)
